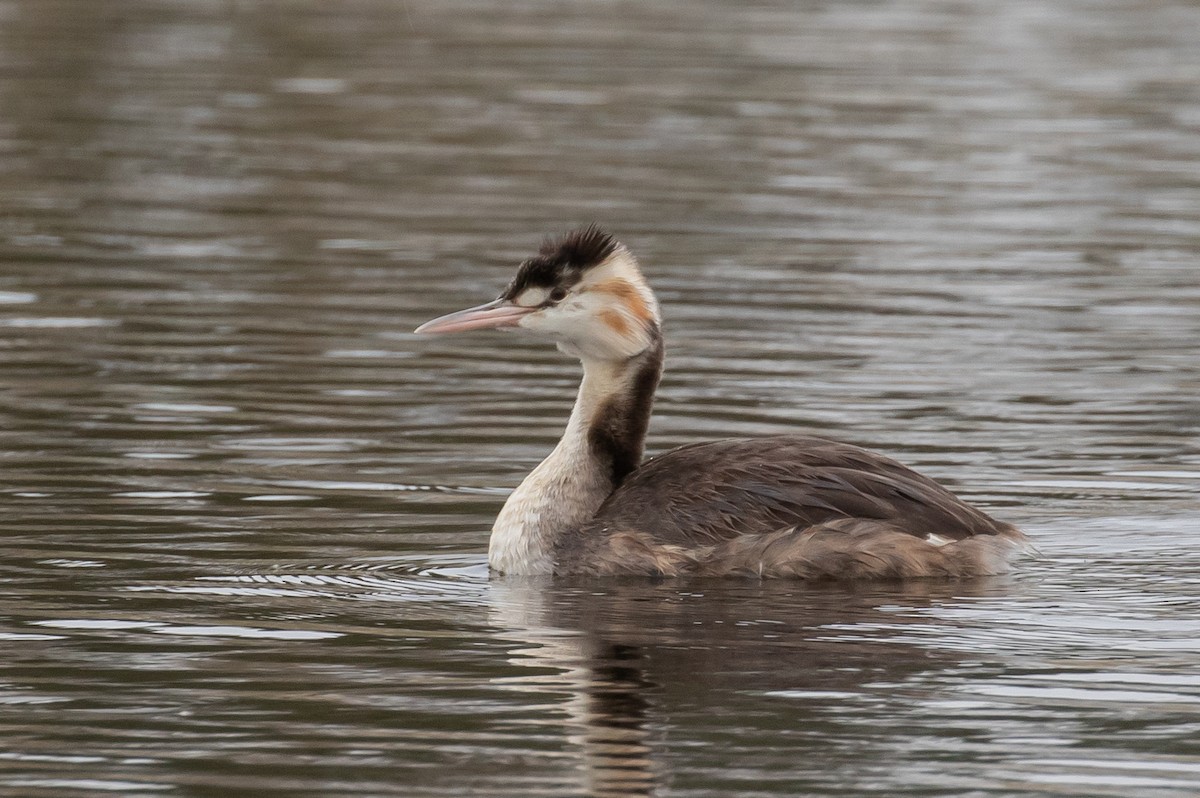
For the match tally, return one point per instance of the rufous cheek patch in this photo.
(627, 293)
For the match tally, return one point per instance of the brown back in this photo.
(708, 493)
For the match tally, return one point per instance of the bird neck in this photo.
(603, 442)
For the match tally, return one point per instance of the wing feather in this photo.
(709, 493)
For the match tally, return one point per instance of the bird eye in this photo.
(557, 294)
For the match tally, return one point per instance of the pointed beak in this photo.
(493, 315)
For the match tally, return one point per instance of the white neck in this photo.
(566, 489)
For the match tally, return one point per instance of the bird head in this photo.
(583, 291)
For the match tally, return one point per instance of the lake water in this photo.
(246, 510)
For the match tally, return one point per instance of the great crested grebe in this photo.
(781, 506)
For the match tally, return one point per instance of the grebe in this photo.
(781, 506)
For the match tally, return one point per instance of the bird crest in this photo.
(562, 261)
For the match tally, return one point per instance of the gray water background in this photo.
(245, 510)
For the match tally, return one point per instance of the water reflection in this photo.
(631, 654)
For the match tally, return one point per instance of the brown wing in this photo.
(709, 493)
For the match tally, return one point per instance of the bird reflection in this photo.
(617, 730)
(630, 653)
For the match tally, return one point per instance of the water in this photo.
(246, 510)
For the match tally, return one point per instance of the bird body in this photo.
(782, 506)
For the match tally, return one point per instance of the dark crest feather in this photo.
(562, 261)
(582, 248)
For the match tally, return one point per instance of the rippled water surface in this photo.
(245, 510)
